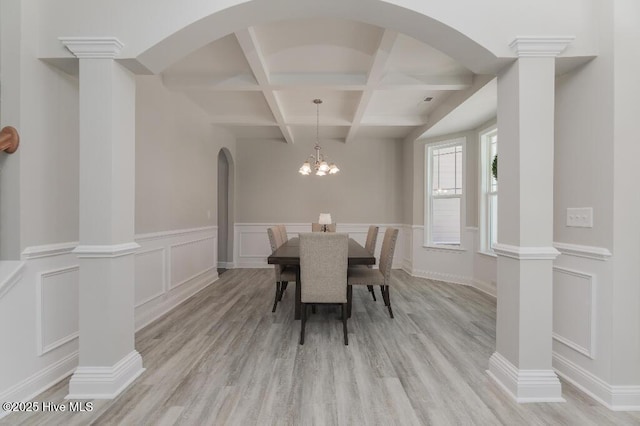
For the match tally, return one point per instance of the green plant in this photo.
(494, 167)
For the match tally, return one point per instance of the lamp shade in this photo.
(325, 219)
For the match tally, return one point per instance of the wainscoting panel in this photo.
(150, 275)
(171, 267)
(57, 308)
(574, 309)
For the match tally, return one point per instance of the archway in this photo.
(225, 210)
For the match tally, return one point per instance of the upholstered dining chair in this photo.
(316, 227)
(382, 276)
(283, 274)
(323, 274)
(370, 245)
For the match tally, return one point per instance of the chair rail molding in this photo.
(525, 253)
(10, 274)
(589, 252)
(49, 250)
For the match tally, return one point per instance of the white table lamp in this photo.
(324, 220)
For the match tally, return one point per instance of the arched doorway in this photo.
(225, 210)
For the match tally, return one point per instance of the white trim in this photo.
(445, 247)
(12, 270)
(589, 252)
(590, 351)
(93, 47)
(525, 253)
(540, 47)
(525, 386)
(485, 287)
(105, 251)
(176, 233)
(226, 265)
(105, 382)
(35, 252)
(439, 276)
(193, 277)
(37, 383)
(41, 347)
(615, 398)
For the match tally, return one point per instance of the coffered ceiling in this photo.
(260, 82)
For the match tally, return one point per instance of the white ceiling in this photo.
(260, 82)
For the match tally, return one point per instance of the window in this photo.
(444, 195)
(489, 202)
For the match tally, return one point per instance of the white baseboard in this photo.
(105, 382)
(34, 385)
(226, 265)
(615, 398)
(439, 276)
(525, 385)
(485, 287)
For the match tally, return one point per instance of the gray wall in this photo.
(368, 188)
(176, 160)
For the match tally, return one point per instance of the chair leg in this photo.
(373, 293)
(303, 322)
(283, 287)
(275, 302)
(349, 300)
(344, 324)
(387, 300)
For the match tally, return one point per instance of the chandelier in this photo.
(317, 161)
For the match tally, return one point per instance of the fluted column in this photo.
(526, 97)
(108, 361)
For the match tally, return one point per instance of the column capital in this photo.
(540, 47)
(93, 47)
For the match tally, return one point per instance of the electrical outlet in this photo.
(580, 217)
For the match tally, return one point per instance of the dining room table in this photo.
(288, 254)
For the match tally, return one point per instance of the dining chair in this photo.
(316, 227)
(323, 274)
(370, 245)
(381, 277)
(283, 274)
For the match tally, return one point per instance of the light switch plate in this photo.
(581, 217)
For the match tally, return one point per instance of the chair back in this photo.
(386, 254)
(274, 240)
(316, 227)
(323, 267)
(283, 233)
(372, 237)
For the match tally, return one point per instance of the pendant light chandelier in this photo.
(317, 161)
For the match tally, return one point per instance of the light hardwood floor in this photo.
(222, 357)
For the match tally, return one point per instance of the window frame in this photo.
(487, 192)
(428, 194)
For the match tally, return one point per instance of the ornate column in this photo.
(108, 360)
(526, 96)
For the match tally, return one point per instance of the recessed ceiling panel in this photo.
(411, 56)
(383, 132)
(401, 102)
(251, 105)
(307, 134)
(222, 57)
(255, 132)
(338, 107)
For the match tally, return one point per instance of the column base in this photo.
(105, 382)
(525, 385)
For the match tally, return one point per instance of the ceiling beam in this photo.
(251, 49)
(374, 76)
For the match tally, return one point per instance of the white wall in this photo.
(368, 188)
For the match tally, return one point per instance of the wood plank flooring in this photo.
(222, 358)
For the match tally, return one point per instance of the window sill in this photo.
(488, 254)
(445, 248)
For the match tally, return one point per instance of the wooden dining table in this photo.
(288, 254)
